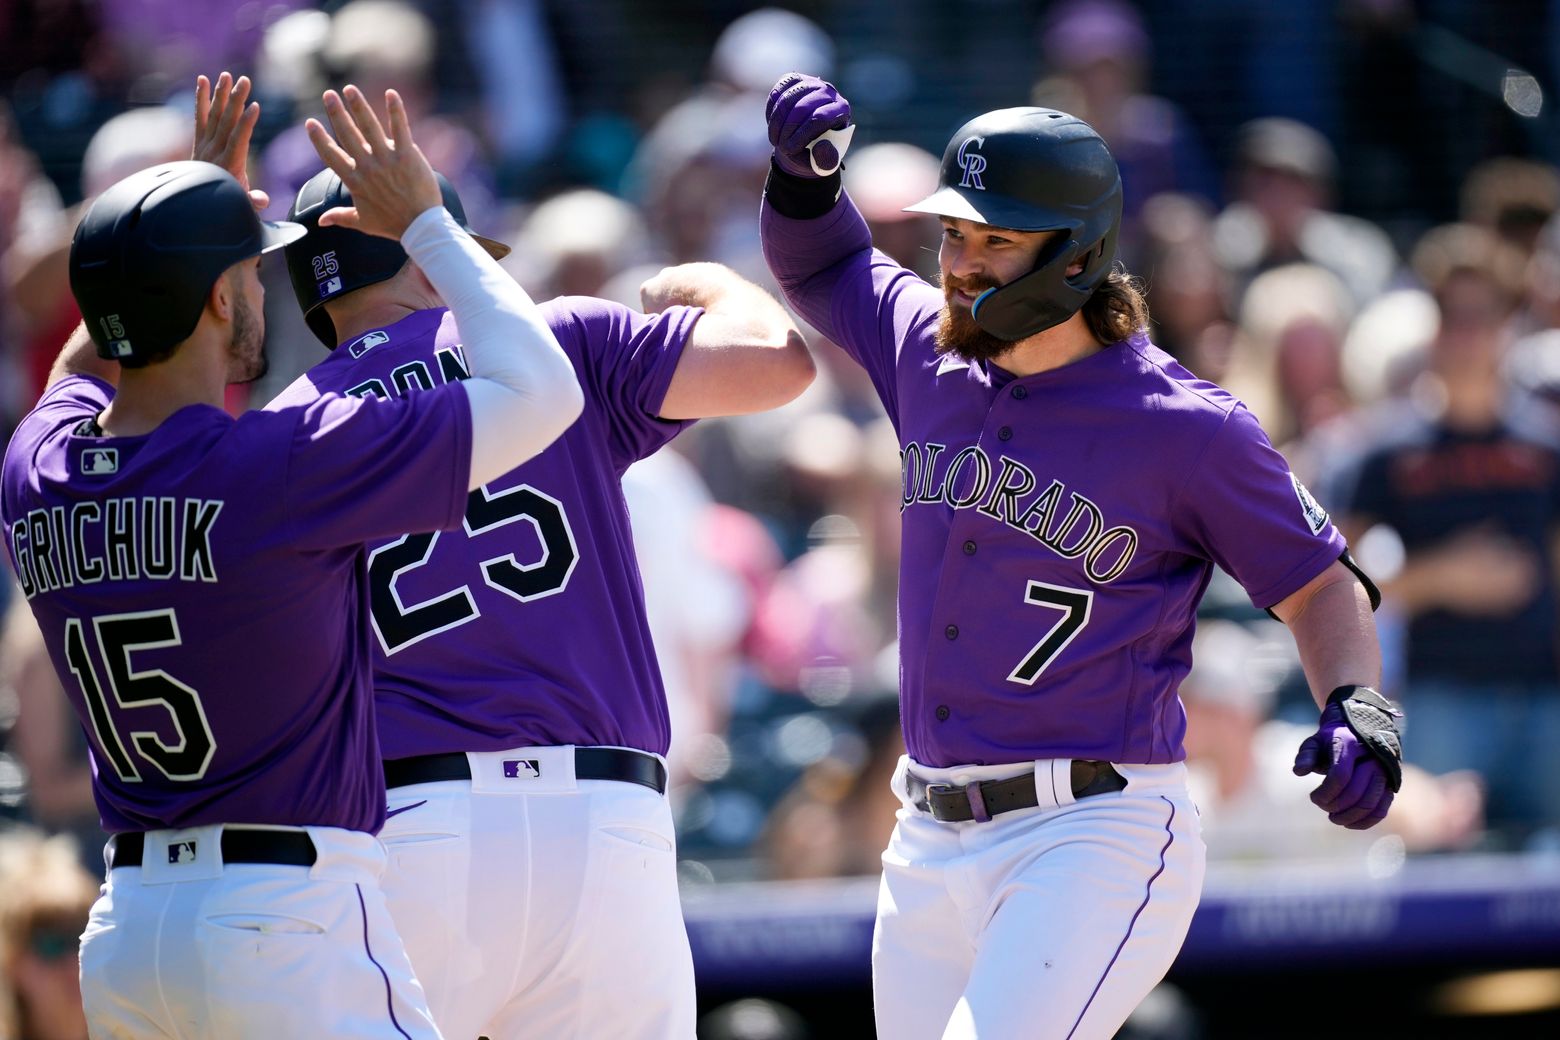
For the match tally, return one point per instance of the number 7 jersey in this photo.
(1058, 530)
(526, 625)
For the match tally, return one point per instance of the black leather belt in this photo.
(291, 848)
(981, 801)
(590, 763)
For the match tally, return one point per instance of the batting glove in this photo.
(809, 125)
(1360, 749)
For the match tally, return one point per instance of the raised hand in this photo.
(809, 125)
(388, 176)
(225, 120)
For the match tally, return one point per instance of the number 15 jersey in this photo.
(526, 625)
(200, 590)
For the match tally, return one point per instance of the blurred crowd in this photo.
(1363, 246)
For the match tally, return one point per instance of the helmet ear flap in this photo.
(1034, 302)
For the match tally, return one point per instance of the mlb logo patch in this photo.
(97, 462)
(522, 769)
(368, 342)
(181, 852)
(330, 287)
(120, 348)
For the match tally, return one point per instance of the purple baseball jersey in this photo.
(528, 626)
(202, 591)
(1058, 529)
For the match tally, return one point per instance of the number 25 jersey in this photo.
(526, 625)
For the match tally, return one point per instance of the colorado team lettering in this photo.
(1079, 531)
(118, 539)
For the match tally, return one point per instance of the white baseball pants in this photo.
(541, 905)
(1039, 924)
(188, 947)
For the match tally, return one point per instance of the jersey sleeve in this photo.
(65, 404)
(625, 362)
(361, 468)
(855, 295)
(1246, 511)
(71, 400)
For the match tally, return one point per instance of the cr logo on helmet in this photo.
(973, 164)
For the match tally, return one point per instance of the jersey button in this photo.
(943, 713)
(969, 548)
(952, 631)
(1020, 393)
(1005, 434)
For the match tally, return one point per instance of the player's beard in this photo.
(246, 353)
(957, 333)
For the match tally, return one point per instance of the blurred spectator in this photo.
(1283, 181)
(1096, 53)
(1187, 288)
(523, 102)
(837, 818)
(762, 45)
(45, 739)
(36, 269)
(698, 171)
(832, 608)
(576, 242)
(1385, 348)
(882, 179)
(375, 44)
(1286, 363)
(1465, 477)
(30, 212)
(45, 897)
(698, 609)
(1512, 197)
(1252, 805)
(163, 46)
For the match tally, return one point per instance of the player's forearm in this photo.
(523, 392)
(79, 357)
(806, 247)
(1335, 633)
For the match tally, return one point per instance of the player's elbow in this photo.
(790, 370)
(564, 395)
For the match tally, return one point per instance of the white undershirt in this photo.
(523, 391)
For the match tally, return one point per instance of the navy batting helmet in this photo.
(151, 247)
(1034, 169)
(331, 261)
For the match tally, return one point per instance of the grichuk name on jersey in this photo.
(1077, 531)
(159, 538)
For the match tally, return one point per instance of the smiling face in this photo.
(972, 258)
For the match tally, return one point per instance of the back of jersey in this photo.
(527, 625)
(200, 591)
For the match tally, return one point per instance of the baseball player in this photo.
(1068, 488)
(521, 711)
(200, 583)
